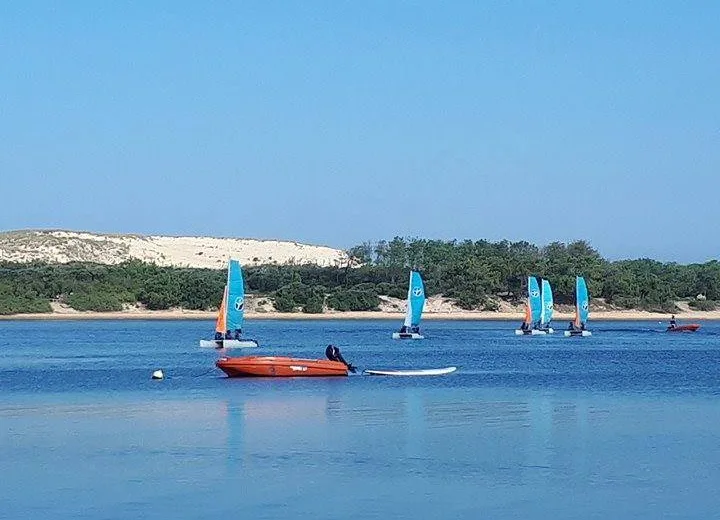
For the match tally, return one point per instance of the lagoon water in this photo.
(625, 424)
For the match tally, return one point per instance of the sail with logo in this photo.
(231, 314)
(535, 310)
(415, 303)
(582, 310)
(546, 312)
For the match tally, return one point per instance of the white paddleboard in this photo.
(426, 372)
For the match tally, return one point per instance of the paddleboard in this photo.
(425, 372)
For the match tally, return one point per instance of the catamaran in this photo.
(415, 304)
(534, 311)
(546, 311)
(231, 314)
(582, 310)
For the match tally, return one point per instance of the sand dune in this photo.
(208, 252)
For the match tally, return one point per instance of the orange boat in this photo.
(272, 366)
(690, 327)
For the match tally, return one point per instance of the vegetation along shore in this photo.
(464, 280)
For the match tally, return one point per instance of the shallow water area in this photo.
(623, 424)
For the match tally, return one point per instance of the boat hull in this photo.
(690, 327)
(228, 343)
(533, 332)
(407, 335)
(274, 366)
(577, 333)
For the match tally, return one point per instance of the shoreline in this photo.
(625, 315)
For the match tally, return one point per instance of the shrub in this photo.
(490, 305)
(22, 305)
(94, 301)
(353, 300)
(702, 305)
(283, 302)
(314, 305)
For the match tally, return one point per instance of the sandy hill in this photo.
(71, 246)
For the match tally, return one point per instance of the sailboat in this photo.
(231, 314)
(582, 310)
(533, 310)
(546, 312)
(415, 304)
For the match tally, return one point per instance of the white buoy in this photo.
(158, 374)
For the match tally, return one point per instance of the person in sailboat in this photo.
(525, 326)
(333, 354)
(218, 336)
(237, 334)
(404, 329)
(415, 330)
(574, 328)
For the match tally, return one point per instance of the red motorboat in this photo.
(274, 366)
(690, 327)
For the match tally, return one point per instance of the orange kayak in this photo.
(690, 327)
(272, 366)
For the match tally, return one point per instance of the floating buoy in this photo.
(158, 374)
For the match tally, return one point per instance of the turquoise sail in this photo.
(235, 310)
(534, 299)
(547, 304)
(582, 300)
(416, 300)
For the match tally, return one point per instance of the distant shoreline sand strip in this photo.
(630, 315)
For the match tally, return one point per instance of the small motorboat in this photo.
(278, 366)
(690, 327)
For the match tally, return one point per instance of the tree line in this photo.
(475, 274)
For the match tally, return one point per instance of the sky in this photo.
(337, 122)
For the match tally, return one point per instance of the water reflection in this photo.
(514, 441)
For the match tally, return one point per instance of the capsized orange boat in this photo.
(274, 366)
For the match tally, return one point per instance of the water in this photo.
(624, 424)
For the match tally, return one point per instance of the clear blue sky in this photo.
(336, 122)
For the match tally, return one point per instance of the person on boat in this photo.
(415, 330)
(237, 334)
(404, 329)
(218, 336)
(228, 334)
(574, 328)
(333, 354)
(673, 323)
(525, 326)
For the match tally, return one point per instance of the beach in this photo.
(181, 314)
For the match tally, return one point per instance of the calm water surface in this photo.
(625, 424)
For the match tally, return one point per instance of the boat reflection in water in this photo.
(425, 432)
